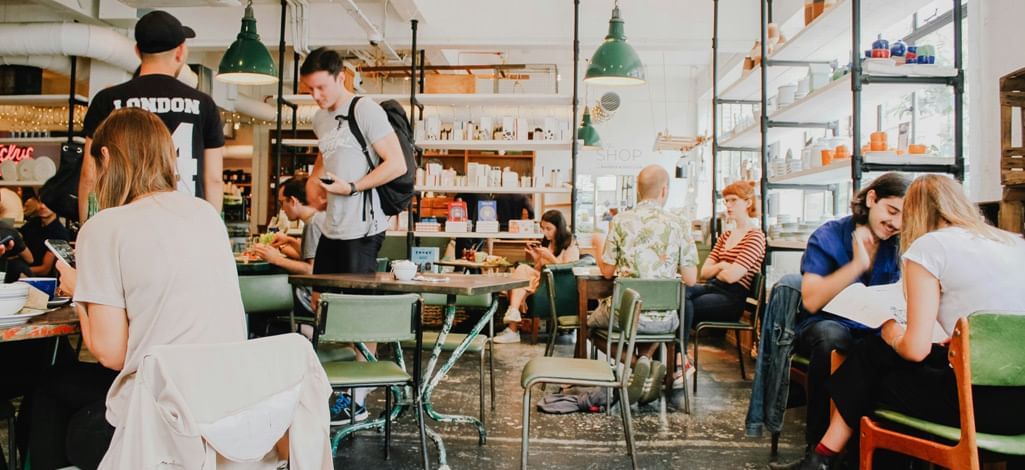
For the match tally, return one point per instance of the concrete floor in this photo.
(711, 438)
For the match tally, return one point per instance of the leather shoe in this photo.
(811, 461)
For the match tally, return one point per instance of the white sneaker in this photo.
(506, 336)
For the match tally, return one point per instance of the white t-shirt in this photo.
(166, 260)
(344, 158)
(975, 273)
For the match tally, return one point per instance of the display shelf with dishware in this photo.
(885, 72)
(825, 37)
(27, 171)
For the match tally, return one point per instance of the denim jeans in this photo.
(772, 369)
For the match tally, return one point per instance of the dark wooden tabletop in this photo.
(60, 322)
(456, 284)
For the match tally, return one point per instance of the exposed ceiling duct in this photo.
(374, 35)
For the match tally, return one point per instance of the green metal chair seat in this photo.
(641, 339)
(800, 361)
(732, 325)
(569, 321)
(452, 341)
(566, 369)
(335, 352)
(342, 374)
(998, 443)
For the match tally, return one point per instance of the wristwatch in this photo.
(352, 189)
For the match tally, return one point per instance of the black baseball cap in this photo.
(159, 31)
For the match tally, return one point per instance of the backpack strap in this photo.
(354, 128)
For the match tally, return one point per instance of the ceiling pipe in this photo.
(374, 35)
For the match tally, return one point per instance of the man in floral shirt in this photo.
(648, 242)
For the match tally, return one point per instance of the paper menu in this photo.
(875, 305)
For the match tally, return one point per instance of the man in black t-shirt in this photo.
(191, 116)
(37, 229)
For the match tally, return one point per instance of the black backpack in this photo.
(396, 194)
(60, 192)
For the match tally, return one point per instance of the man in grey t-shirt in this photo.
(354, 227)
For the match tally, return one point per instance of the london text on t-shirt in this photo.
(189, 114)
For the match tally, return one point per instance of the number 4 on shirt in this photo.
(188, 166)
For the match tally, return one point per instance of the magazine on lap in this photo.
(875, 305)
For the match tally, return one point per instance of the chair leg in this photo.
(552, 333)
(662, 396)
(491, 371)
(740, 355)
(418, 406)
(525, 440)
(12, 445)
(697, 334)
(481, 387)
(535, 323)
(774, 450)
(628, 428)
(387, 422)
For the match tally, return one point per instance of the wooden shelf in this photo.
(827, 38)
(787, 245)
(496, 235)
(514, 145)
(476, 99)
(40, 140)
(469, 190)
(840, 170)
(39, 100)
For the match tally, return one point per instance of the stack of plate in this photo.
(12, 299)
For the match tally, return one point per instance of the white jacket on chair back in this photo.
(196, 405)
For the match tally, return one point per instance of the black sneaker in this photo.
(340, 411)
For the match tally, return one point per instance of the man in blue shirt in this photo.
(862, 247)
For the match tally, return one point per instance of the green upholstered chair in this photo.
(271, 294)
(658, 295)
(539, 305)
(477, 345)
(985, 350)
(589, 372)
(344, 319)
(752, 304)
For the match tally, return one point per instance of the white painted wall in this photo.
(995, 27)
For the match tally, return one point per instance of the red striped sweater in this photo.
(749, 253)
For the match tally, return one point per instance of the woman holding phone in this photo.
(136, 286)
(556, 247)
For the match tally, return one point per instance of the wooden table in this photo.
(455, 285)
(483, 267)
(590, 286)
(60, 322)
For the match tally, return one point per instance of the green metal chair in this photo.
(477, 345)
(589, 372)
(562, 307)
(382, 265)
(271, 294)
(344, 319)
(985, 350)
(658, 295)
(753, 304)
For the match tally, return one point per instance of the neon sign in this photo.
(15, 153)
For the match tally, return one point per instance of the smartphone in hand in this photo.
(62, 250)
(326, 180)
(6, 238)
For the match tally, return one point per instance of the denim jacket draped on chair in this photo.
(772, 369)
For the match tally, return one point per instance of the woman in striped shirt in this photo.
(732, 264)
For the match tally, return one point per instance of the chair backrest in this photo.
(349, 318)
(996, 355)
(269, 293)
(657, 294)
(565, 284)
(756, 296)
(472, 301)
(627, 314)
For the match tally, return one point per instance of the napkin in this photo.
(37, 299)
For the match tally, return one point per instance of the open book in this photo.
(875, 305)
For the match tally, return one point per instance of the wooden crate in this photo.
(1012, 117)
(1012, 151)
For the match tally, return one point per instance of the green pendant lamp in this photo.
(247, 61)
(587, 133)
(615, 62)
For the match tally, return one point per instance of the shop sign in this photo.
(15, 153)
(613, 160)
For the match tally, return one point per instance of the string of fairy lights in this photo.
(22, 118)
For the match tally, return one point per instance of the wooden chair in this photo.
(753, 305)
(982, 348)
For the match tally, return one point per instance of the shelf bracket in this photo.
(738, 149)
(803, 125)
(732, 101)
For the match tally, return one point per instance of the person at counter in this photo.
(190, 115)
(136, 286)
(862, 247)
(557, 247)
(354, 224)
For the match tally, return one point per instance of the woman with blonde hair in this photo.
(136, 286)
(954, 264)
(731, 266)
